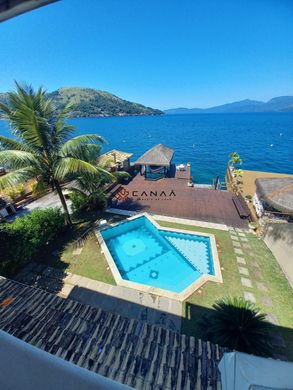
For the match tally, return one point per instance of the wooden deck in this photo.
(172, 197)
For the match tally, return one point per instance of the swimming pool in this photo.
(141, 252)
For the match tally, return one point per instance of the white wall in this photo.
(24, 367)
(279, 238)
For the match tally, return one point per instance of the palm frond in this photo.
(74, 143)
(16, 159)
(70, 165)
(15, 177)
(9, 143)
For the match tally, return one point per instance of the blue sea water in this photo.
(263, 140)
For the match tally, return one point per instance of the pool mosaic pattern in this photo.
(158, 258)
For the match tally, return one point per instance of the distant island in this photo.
(88, 102)
(277, 104)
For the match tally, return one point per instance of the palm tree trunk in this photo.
(63, 201)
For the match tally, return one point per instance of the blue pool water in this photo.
(158, 258)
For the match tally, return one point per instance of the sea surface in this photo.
(263, 140)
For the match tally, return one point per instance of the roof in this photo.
(126, 350)
(118, 154)
(278, 193)
(158, 155)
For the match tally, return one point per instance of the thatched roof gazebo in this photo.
(276, 193)
(156, 162)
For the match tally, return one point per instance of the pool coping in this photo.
(182, 296)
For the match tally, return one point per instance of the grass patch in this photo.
(90, 263)
(268, 272)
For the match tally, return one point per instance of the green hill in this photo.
(88, 102)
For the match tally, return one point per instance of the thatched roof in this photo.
(278, 193)
(159, 155)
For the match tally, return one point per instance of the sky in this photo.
(161, 53)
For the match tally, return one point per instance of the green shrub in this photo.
(15, 192)
(237, 324)
(81, 201)
(23, 239)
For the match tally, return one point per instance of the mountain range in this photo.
(277, 104)
(88, 102)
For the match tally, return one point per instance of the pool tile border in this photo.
(154, 290)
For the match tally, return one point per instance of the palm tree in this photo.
(42, 146)
(87, 188)
(237, 324)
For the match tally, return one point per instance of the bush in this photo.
(15, 192)
(81, 201)
(23, 239)
(237, 324)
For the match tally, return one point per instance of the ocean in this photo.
(263, 140)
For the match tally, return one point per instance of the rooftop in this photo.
(115, 155)
(158, 155)
(278, 193)
(128, 351)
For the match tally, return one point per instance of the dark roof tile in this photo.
(135, 353)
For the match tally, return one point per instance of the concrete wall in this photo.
(279, 238)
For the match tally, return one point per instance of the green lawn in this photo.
(269, 273)
(90, 263)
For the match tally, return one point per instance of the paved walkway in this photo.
(245, 256)
(122, 300)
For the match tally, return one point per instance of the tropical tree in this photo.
(237, 324)
(87, 189)
(42, 146)
(234, 159)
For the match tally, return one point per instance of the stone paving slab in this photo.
(240, 260)
(234, 237)
(258, 274)
(249, 297)
(243, 239)
(238, 251)
(77, 251)
(236, 244)
(272, 319)
(241, 234)
(246, 282)
(243, 271)
(127, 301)
(66, 290)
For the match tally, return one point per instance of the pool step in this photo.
(193, 251)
